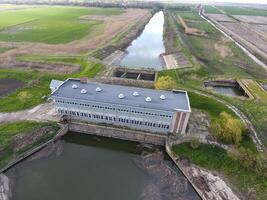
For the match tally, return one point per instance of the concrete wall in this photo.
(118, 133)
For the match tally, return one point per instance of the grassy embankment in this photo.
(38, 83)
(53, 25)
(233, 64)
(9, 130)
(248, 180)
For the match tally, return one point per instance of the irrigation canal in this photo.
(145, 51)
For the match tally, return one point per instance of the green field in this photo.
(51, 25)
(211, 9)
(234, 10)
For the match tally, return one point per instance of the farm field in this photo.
(62, 30)
(247, 30)
(51, 25)
(234, 10)
(220, 55)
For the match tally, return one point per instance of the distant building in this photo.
(137, 108)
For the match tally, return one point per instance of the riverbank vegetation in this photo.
(238, 169)
(16, 138)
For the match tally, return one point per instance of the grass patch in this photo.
(255, 89)
(215, 158)
(53, 25)
(212, 107)
(38, 83)
(3, 49)
(238, 10)
(9, 130)
(189, 15)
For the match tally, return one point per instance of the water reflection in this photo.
(229, 91)
(94, 168)
(144, 52)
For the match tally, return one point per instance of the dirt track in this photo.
(112, 26)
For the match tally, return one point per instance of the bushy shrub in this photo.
(194, 144)
(165, 83)
(227, 128)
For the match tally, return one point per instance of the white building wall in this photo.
(133, 117)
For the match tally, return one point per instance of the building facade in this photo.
(137, 108)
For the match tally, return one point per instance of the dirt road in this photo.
(42, 112)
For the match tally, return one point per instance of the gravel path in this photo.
(42, 112)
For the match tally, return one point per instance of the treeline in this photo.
(90, 3)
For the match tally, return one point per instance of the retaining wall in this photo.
(118, 133)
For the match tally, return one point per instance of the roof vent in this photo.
(98, 89)
(74, 86)
(83, 91)
(162, 97)
(135, 94)
(121, 96)
(148, 99)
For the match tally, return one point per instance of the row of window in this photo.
(114, 119)
(112, 108)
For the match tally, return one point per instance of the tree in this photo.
(194, 143)
(165, 83)
(227, 128)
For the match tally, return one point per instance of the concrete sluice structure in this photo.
(154, 111)
(133, 77)
(230, 83)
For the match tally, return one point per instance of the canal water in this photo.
(229, 91)
(90, 168)
(145, 51)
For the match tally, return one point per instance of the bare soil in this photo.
(189, 30)
(40, 66)
(8, 85)
(224, 50)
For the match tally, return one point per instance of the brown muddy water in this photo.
(97, 168)
(8, 85)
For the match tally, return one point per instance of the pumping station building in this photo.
(150, 110)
